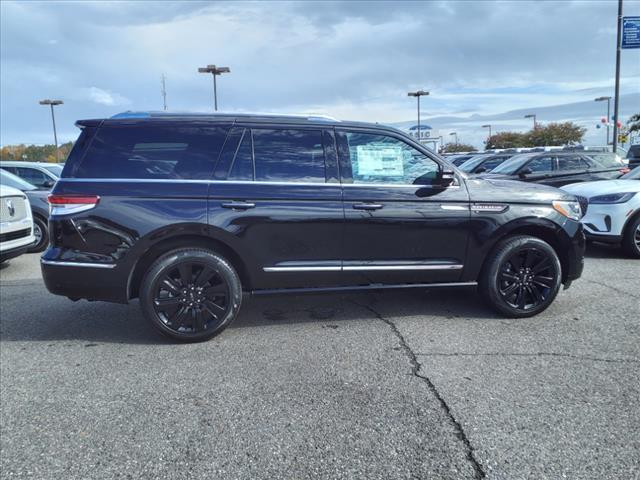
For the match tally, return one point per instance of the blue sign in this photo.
(630, 32)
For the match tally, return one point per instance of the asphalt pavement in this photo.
(414, 384)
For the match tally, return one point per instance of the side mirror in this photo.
(480, 170)
(48, 183)
(447, 177)
(524, 172)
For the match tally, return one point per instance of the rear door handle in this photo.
(239, 205)
(367, 206)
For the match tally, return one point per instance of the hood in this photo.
(603, 187)
(7, 191)
(495, 189)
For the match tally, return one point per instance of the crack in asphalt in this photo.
(615, 289)
(415, 371)
(535, 354)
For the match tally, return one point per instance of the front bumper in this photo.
(606, 220)
(574, 244)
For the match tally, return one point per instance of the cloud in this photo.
(104, 97)
(354, 60)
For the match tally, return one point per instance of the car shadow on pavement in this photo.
(41, 317)
(604, 250)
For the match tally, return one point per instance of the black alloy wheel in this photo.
(191, 294)
(521, 276)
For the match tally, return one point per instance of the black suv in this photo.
(185, 212)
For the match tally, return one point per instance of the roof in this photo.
(130, 117)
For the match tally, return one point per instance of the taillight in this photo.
(66, 204)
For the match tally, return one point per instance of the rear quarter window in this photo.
(605, 159)
(152, 152)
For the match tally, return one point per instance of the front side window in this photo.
(152, 152)
(540, 164)
(288, 155)
(387, 160)
(33, 176)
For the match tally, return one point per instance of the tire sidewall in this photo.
(628, 242)
(170, 260)
(491, 281)
(44, 239)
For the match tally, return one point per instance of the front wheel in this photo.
(521, 277)
(631, 239)
(191, 294)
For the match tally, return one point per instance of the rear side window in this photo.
(571, 162)
(605, 159)
(152, 152)
(288, 155)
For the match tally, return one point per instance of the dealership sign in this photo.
(630, 32)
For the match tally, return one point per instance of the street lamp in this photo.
(52, 103)
(455, 134)
(608, 99)
(418, 94)
(489, 127)
(532, 115)
(215, 71)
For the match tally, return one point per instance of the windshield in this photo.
(632, 175)
(11, 180)
(55, 169)
(512, 165)
(472, 163)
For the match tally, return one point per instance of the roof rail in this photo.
(149, 114)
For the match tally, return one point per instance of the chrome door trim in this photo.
(362, 268)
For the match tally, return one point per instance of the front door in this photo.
(400, 225)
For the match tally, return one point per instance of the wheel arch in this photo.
(180, 241)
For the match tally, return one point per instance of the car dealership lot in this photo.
(411, 384)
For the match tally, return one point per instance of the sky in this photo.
(351, 60)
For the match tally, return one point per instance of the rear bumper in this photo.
(76, 280)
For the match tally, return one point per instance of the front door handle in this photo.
(367, 206)
(239, 205)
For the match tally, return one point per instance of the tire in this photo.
(190, 294)
(41, 231)
(631, 238)
(521, 276)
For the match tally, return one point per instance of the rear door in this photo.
(277, 195)
(400, 226)
(570, 168)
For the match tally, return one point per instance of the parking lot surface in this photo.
(411, 384)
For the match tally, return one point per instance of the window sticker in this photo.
(380, 160)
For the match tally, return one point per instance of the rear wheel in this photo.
(521, 277)
(41, 232)
(191, 294)
(631, 239)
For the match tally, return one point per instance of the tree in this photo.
(507, 140)
(634, 123)
(458, 147)
(35, 153)
(566, 133)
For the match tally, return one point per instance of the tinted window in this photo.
(33, 176)
(541, 164)
(382, 159)
(571, 162)
(605, 159)
(242, 166)
(152, 152)
(288, 155)
(493, 163)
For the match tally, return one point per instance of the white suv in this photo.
(16, 223)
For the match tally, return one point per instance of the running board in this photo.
(276, 291)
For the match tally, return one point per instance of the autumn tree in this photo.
(458, 147)
(506, 140)
(566, 133)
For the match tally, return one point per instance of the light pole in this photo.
(532, 115)
(455, 134)
(52, 103)
(608, 99)
(418, 94)
(616, 101)
(215, 71)
(489, 127)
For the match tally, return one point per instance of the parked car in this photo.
(39, 208)
(16, 225)
(484, 163)
(458, 160)
(613, 215)
(560, 168)
(185, 212)
(40, 174)
(633, 155)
